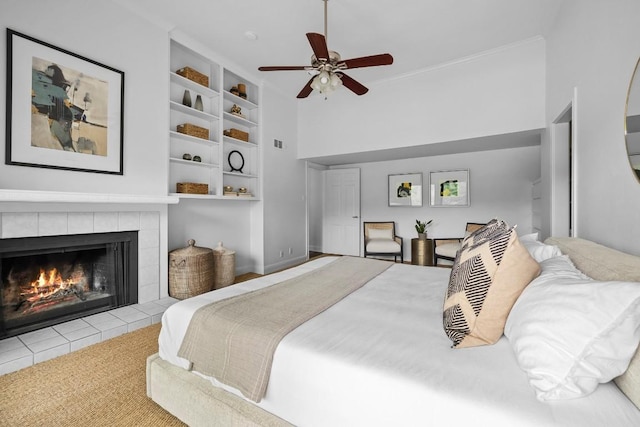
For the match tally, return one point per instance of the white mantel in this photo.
(69, 197)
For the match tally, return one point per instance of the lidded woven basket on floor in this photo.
(225, 266)
(191, 271)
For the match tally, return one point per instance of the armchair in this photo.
(446, 249)
(380, 239)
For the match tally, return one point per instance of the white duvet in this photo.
(380, 357)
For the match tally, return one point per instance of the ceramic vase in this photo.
(198, 104)
(186, 98)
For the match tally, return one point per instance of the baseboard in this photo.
(289, 262)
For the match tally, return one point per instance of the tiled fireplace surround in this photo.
(37, 346)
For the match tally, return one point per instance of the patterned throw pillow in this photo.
(486, 231)
(487, 276)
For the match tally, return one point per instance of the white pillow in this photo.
(562, 266)
(532, 237)
(380, 233)
(570, 333)
(538, 250)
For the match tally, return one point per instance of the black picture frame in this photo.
(63, 110)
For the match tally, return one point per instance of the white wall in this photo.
(103, 32)
(285, 223)
(593, 48)
(494, 93)
(500, 186)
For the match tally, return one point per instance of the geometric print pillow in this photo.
(487, 277)
(484, 232)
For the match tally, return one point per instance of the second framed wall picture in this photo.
(449, 188)
(405, 189)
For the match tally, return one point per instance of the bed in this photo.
(380, 357)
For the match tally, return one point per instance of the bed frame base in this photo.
(195, 402)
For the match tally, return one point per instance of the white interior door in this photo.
(341, 212)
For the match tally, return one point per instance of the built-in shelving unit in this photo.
(216, 168)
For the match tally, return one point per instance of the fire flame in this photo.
(49, 283)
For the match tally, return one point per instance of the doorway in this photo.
(341, 211)
(563, 196)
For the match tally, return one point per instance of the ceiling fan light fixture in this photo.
(324, 82)
(336, 81)
(324, 78)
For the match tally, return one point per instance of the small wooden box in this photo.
(196, 76)
(192, 188)
(237, 134)
(193, 130)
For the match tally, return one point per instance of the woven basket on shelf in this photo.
(191, 271)
(237, 134)
(193, 130)
(194, 75)
(192, 188)
(224, 261)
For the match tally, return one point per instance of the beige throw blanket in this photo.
(233, 340)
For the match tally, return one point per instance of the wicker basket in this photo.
(194, 75)
(224, 261)
(193, 130)
(192, 188)
(191, 271)
(237, 134)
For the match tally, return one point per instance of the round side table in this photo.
(422, 252)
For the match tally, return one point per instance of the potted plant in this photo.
(421, 228)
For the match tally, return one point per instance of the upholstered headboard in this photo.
(603, 263)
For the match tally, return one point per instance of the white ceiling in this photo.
(418, 33)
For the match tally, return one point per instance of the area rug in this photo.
(100, 385)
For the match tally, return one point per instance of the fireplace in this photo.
(53, 279)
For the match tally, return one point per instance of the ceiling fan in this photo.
(328, 68)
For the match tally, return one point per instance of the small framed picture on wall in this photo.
(405, 189)
(449, 188)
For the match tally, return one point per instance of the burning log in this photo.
(49, 289)
(57, 296)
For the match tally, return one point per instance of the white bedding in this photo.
(381, 357)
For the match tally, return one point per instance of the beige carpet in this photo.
(101, 385)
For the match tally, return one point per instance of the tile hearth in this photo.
(33, 347)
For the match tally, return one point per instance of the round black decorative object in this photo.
(236, 162)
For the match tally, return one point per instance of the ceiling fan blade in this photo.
(306, 90)
(319, 45)
(353, 85)
(369, 61)
(283, 68)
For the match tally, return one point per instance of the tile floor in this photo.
(33, 347)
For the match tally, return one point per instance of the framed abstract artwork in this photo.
(449, 188)
(64, 111)
(405, 189)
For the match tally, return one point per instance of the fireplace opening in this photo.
(53, 279)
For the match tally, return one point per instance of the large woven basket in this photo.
(225, 266)
(191, 271)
